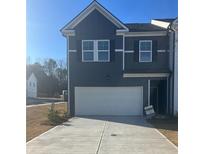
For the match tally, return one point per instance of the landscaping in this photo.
(168, 127)
(37, 119)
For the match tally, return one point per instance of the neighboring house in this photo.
(31, 86)
(172, 26)
(116, 68)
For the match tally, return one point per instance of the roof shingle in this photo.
(143, 27)
(166, 20)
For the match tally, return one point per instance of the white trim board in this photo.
(129, 51)
(67, 33)
(161, 50)
(118, 50)
(94, 6)
(141, 75)
(135, 34)
(72, 50)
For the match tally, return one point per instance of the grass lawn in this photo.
(37, 121)
(168, 127)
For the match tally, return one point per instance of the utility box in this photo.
(65, 95)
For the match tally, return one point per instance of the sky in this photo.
(45, 18)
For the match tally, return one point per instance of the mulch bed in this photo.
(168, 127)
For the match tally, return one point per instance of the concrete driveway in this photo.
(102, 135)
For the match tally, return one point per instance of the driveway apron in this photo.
(102, 135)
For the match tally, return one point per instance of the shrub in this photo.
(54, 116)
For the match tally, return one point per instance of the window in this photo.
(88, 50)
(95, 50)
(145, 51)
(33, 84)
(30, 84)
(103, 51)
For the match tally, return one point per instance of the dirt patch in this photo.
(37, 121)
(168, 127)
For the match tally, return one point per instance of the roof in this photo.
(36, 70)
(132, 27)
(166, 20)
(28, 74)
(92, 6)
(143, 27)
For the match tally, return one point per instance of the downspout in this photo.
(173, 73)
(173, 68)
(68, 78)
(66, 35)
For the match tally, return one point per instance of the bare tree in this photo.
(50, 66)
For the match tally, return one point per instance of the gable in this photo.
(95, 23)
(32, 78)
(93, 6)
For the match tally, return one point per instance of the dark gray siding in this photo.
(96, 26)
(160, 61)
(119, 42)
(72, 43)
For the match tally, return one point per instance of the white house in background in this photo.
(31, 86)
(172, 26)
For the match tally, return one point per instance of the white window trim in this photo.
(150, 51)
(83, 60)
(96, 51)
(103, 51)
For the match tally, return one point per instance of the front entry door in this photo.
(154, 98)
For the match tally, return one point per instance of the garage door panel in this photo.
(108, 100)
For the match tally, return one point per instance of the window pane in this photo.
(88, 56)
(103, 56)
(144, 46)
(88, 45)
(102, 45)
(145, 56)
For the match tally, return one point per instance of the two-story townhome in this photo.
(116, 68)
(171, 24)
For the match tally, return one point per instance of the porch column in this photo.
(148, 92)
(167, 95)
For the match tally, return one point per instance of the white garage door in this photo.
(108, 100)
